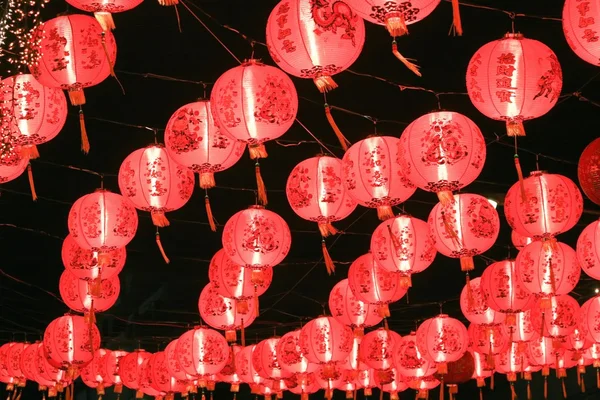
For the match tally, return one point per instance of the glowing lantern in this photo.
(588, 320)
(465, 228)
(79, 296)
(543, 352)
(12, 163)
(514, 79)
(390, 381)
(588, 171)
(409, 361)
(353, 362)
(442, 152)
(442, 339)
(489, 340)
(28, 361)
(229, 373)
(366, 381)
(482, 369)
(588, 250)
(376, 349)
(423, 385)
(559, 320)
(103, 10)
(523, 330)
(511, 361)
(265, 360)
(202, 352)
(256, 238)
(580, 22)
(130, 370)
(84, 263)
(474, 306)
(351, 311)
(374, 285)
(303, 41)
(70, 342)
(90, 374)
(330, 377)
(10, 361)
(33, 113)
(403, 244)
(244, 367)
(373, 178)
(290, 356)
(173, 366)
(72, 52)
(49, 375)
(159, 378)
(519, 241)
(575, 341)
(324, 340)
(305, 385)
(146, 380)
(110, 369)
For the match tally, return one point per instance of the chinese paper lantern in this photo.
(546, 205)
(265, 360)
(28, 361)
(459, 372)
(557, 321)
(489, 340)
(324, 340)
(103, 10)
(84, 263)
(374, 285)
(575, 341)
(442, 339)
(12, 362)
(79, 295)
(229, 374)
(442, 152)
(146, 387)
(91, 376)
(329, 377)
(482, 370)
(304, 41)
(511, 361)
(366, 381)
(12, 163)
(588, 171)
(465, 228)
(474, 306)
(351, 311)
(33, 113)
(588, 319)
(290, 356)
(160, 379)
(244, 367)
(409, 360)
(523, 330)
(4, 376)
(305, 385)
(202, 352)
(254, 103)
(221, 312)
(403, 244)
(588, 250)
(514, 79)
(423, 385)
(110, 369)
(547, 271)
(542, 352)
(353, 361)
(256, 238)
(373, 178)
(173, 365)
(376, 348)
(390, 381)
(49, 375)
(70, 342)
(580, 22)
(130, 370)
(518, 240)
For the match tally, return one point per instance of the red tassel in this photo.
(466, 264)
(327, 229)
(160, 247)
(168, 2)
(207, 180)
(106, 20)
(513, 394)
(85, 143)
(256, 303)
(76, 96)
(159, 219)
(515, 128)
(327, 259)
(338, 133)
(209, 214)
(413, 67)
(470, 298)
(445, 197)
(110, 64)
(31, 183)
(385, 213)
(456, 22)
(564, 388)
(521, 179)
(529, 390)
(325, 83)
(29, 151)
(545, 387)
(260, 184)
(243, 334)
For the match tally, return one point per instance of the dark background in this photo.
(159, 301)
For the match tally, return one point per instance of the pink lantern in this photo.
(70, 342)
(423, 385)
(441, 152)
(490, 340)
(514, 79)
(588, 250)
(290, 356)
(4, 376)
(519, 241)
(103, 10)
(48, 375)
(34, 114)
(245, 368)
(442, 339)
(474, 306)
(173, 366)
(588, 319)
(581, 22)
(576, 341)
(409, 360)
(588, 171)
(110, 369)
(374, 285)
(482, 369)
(256, 238)
(79, 295)
(265, 360)
(202, 352)
(467, 227)
(303, 41)
(324, 340)
(373, 178)
(90, 374)
(376, 348)
(84, 263)
(350, 311)
(130, 370)
(559, 320)
(403, 244)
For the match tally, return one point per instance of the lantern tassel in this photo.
(207, 180)
(338, 133)
(492, 383)
(545, 387)
(385, 324)
(395, 24)
(257, 151)
(29, 151)
(19, 395)
(327, 259)
(159, 219)
(260, 184)
(456, 22)
(85, 143)
(451, 232)
(515, 128)
(139, 394)
(583, 385)
(442, 368)
(384, 312)
(384, 213)
(95, 287)
(90, 316)
(405, 281)
(466, 264)
(513, 394)
(76, 96)
(160, 247)
(31, 183)
(110, 64)
(243, 334)
(480, 393)
(564, 388)
(325, 83)
(209, 214)
(256, 303)
(327, 229)
(106, 20)
(442, 390)
(413, 67)
(521, 179)
(529, 390)
(445, 197)
(552, 276)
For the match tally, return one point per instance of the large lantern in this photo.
(581, 23)
(90, 374)
(376, 348)
(11, 362)
(12, 163)
(519, 241)
(202, 352)
(265, 360)
(326, 341)
(33, 113)
(84, 264)
(474, 306)
(588, 250)
(442, 339)
(290, 356)
(351, 311)
(173, 365)
(130, 370)
(523, 331)
(560, 320)
(514, 79)
(160, 379)
(49, 375)
(111, 369)
(409, 360)
(81, 296)
(588, 171)
(103, 10)
(304, 40)
(28, 361)
(588, 319)
(373, 178)
(442, 152)
(245, 368)
(489, 340)
(70, 342)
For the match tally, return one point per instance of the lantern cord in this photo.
(161, 248)
(85, 143)
(31, 182)
(407, 63)
(316, 139)
(178, 18)
(163, 77)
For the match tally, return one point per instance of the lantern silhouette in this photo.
(442, 339)
(202, 352)
(11, 362)
(490, 340)
(442, 152)
(70, 342)
(110, 369)
(580, 26)
(467, 227)
(90, 374)
(351, 311)
(84, 263)
(588, 250)
(303, 42)
(373, 178)
(103, 10)
(557, 321)
(245, 368)
(588, 171)
(409, 360)
(256, 238)
(403, 244)
(324, 340)
(130, 370)
(290, 356)
(519, 241)
(34, 114)
(72, 52)
(588, 320)
(374, 285)
(376, 348)
(265, 360)
(514, 79)
(551, 204)
(79, 296)
(474, 306)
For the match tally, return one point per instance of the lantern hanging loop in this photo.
(537, 162)
(252, 43)
(513, 16)
(101, 181)
(204, 91)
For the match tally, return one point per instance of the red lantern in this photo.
(523, 331)
(588, 250)
(110, 369)
(4, 376)
(442, 152)
(374, 285)
(423, 385)
(10, 362)
(90, 374)
(390, 381)
(349, 310)
(519, 241)
(229, 374)
(245, 368)
(70, 342)
(588, 171)
(511, 361)
(376, 348)
(34, 114)
(373, 178)
(48, 375)
(160, 379)
(290, 356)
(366, 381)
(409, 360)
(490, 340)
(130, 370)
(465, 228)
(146, 387)
(12, 163)
(403, 244)
(305, 385)
(103, 10)
(588, 319)
(543, 352)
(580, 24)
(79, 296)
(324, 340)
(84, 263)
(474, 306)
(303, 41)
(514, 79)
(202, 352)
(28, 361)
(576, 341)
(173, 365)
(329, 377)
(482, 369)
(265, 360)
(442, 339)
(72, 52)
(256, 238)
(559, 320)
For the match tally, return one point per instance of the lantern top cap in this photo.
(443, 316)
(256, 207)
(252, 61)
(101, 190)
(159, 145)
(517, 36)
(537, 173)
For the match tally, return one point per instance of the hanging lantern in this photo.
(146, 387)
(90, 374)
(390, 381)
(244, 367)
(353, 361)
(490, 340)
(159, 378)
(10, 362)
(84, 263)
(409, 360)
(265, 360)
(110, 369)
(423, 385)
(305, 385)
(557, 321)
(588, 319)
(376, 348)
(350, 311)
(543, 352)
(70, 342)
(229, 374)
(366, 381)
(588, 171)
(28, 361)
(403, 244)
(103, 10)
(481, 368)
(329, 377)
(173, 366)
(580, 22)
(442, 339)
(81, 296)
(523, 330)
(441, 152)
(49, 375)
(4, 376)
(373, 178)
(459, 372)
(465, 228)
(474, 306)
(130, 370)
(12, 163)
(588, 250)
(303, 41)
(290, 356)
(202, 352)
(325, 341)
(33, 113)
(519, 241)
(511, 361)
(374, 285)
(514, 79)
